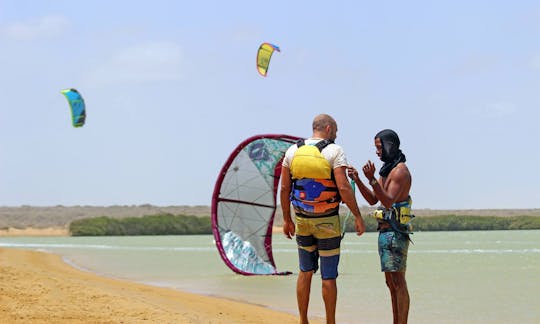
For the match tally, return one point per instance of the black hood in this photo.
(391, 154)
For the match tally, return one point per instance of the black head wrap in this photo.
(391, 154)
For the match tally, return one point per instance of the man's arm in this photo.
(284, 197)
(347, 195)
(395, 184)
(368, 195)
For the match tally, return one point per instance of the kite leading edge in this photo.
(244, 204)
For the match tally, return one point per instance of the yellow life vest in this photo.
(308, 162)
(314, 192)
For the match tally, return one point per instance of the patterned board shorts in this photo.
(319, 239)
(393, 247)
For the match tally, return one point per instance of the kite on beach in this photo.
(77, 106)
(263, 57)
(244, 204)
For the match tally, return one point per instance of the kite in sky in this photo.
(244, 204)
(263, 57)
(77, 106)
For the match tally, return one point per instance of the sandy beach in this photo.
(38, 287)
(30, 231)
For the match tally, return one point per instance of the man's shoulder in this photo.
(400, 171)
(313, 141)
(336, 148)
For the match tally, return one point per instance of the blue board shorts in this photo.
(393, 247)
(319, 238)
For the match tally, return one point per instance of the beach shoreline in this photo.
(32, 231)
(39, 287)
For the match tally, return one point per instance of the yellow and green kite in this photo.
(263, 57)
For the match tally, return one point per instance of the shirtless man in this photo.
(392, 191)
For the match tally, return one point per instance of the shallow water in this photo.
(453, 277)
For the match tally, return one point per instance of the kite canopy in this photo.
(77, 106)
(263, 57)
(244, 204)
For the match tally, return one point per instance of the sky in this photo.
(171, 88)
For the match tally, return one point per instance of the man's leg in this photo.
(308, 263)
(393, 248)
(400, 296)
(303, 288)
(329, 273)
(329, 294)
(393, 295)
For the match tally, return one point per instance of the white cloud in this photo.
(476, 64)
(535, 62)
(150, 62)
(493, 110)
(497, 110)
(44, 27)
(245, 33)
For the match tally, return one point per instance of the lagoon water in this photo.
(453, 277)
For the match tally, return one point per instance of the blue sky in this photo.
(171, 88)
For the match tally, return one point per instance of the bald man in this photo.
(314, 181)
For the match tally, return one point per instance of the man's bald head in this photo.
(321, 121)
(324, 126)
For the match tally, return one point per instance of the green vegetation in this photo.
(168, 224)
(460, 223)
(163, 224)
(370, 222)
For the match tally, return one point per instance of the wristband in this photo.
(373, 182)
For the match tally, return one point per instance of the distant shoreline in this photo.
(59, 231)
(55, 220)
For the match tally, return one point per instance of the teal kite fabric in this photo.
(77, 106)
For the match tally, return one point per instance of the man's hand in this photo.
(288, 229)
(369, 170)
(359, 226)
(352, 172)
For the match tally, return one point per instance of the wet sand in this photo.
(38, 287)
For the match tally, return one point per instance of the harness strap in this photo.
(299, 187)
(320, 144)
(306, 214)
(402, 203)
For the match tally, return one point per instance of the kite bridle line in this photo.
(349, 213)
